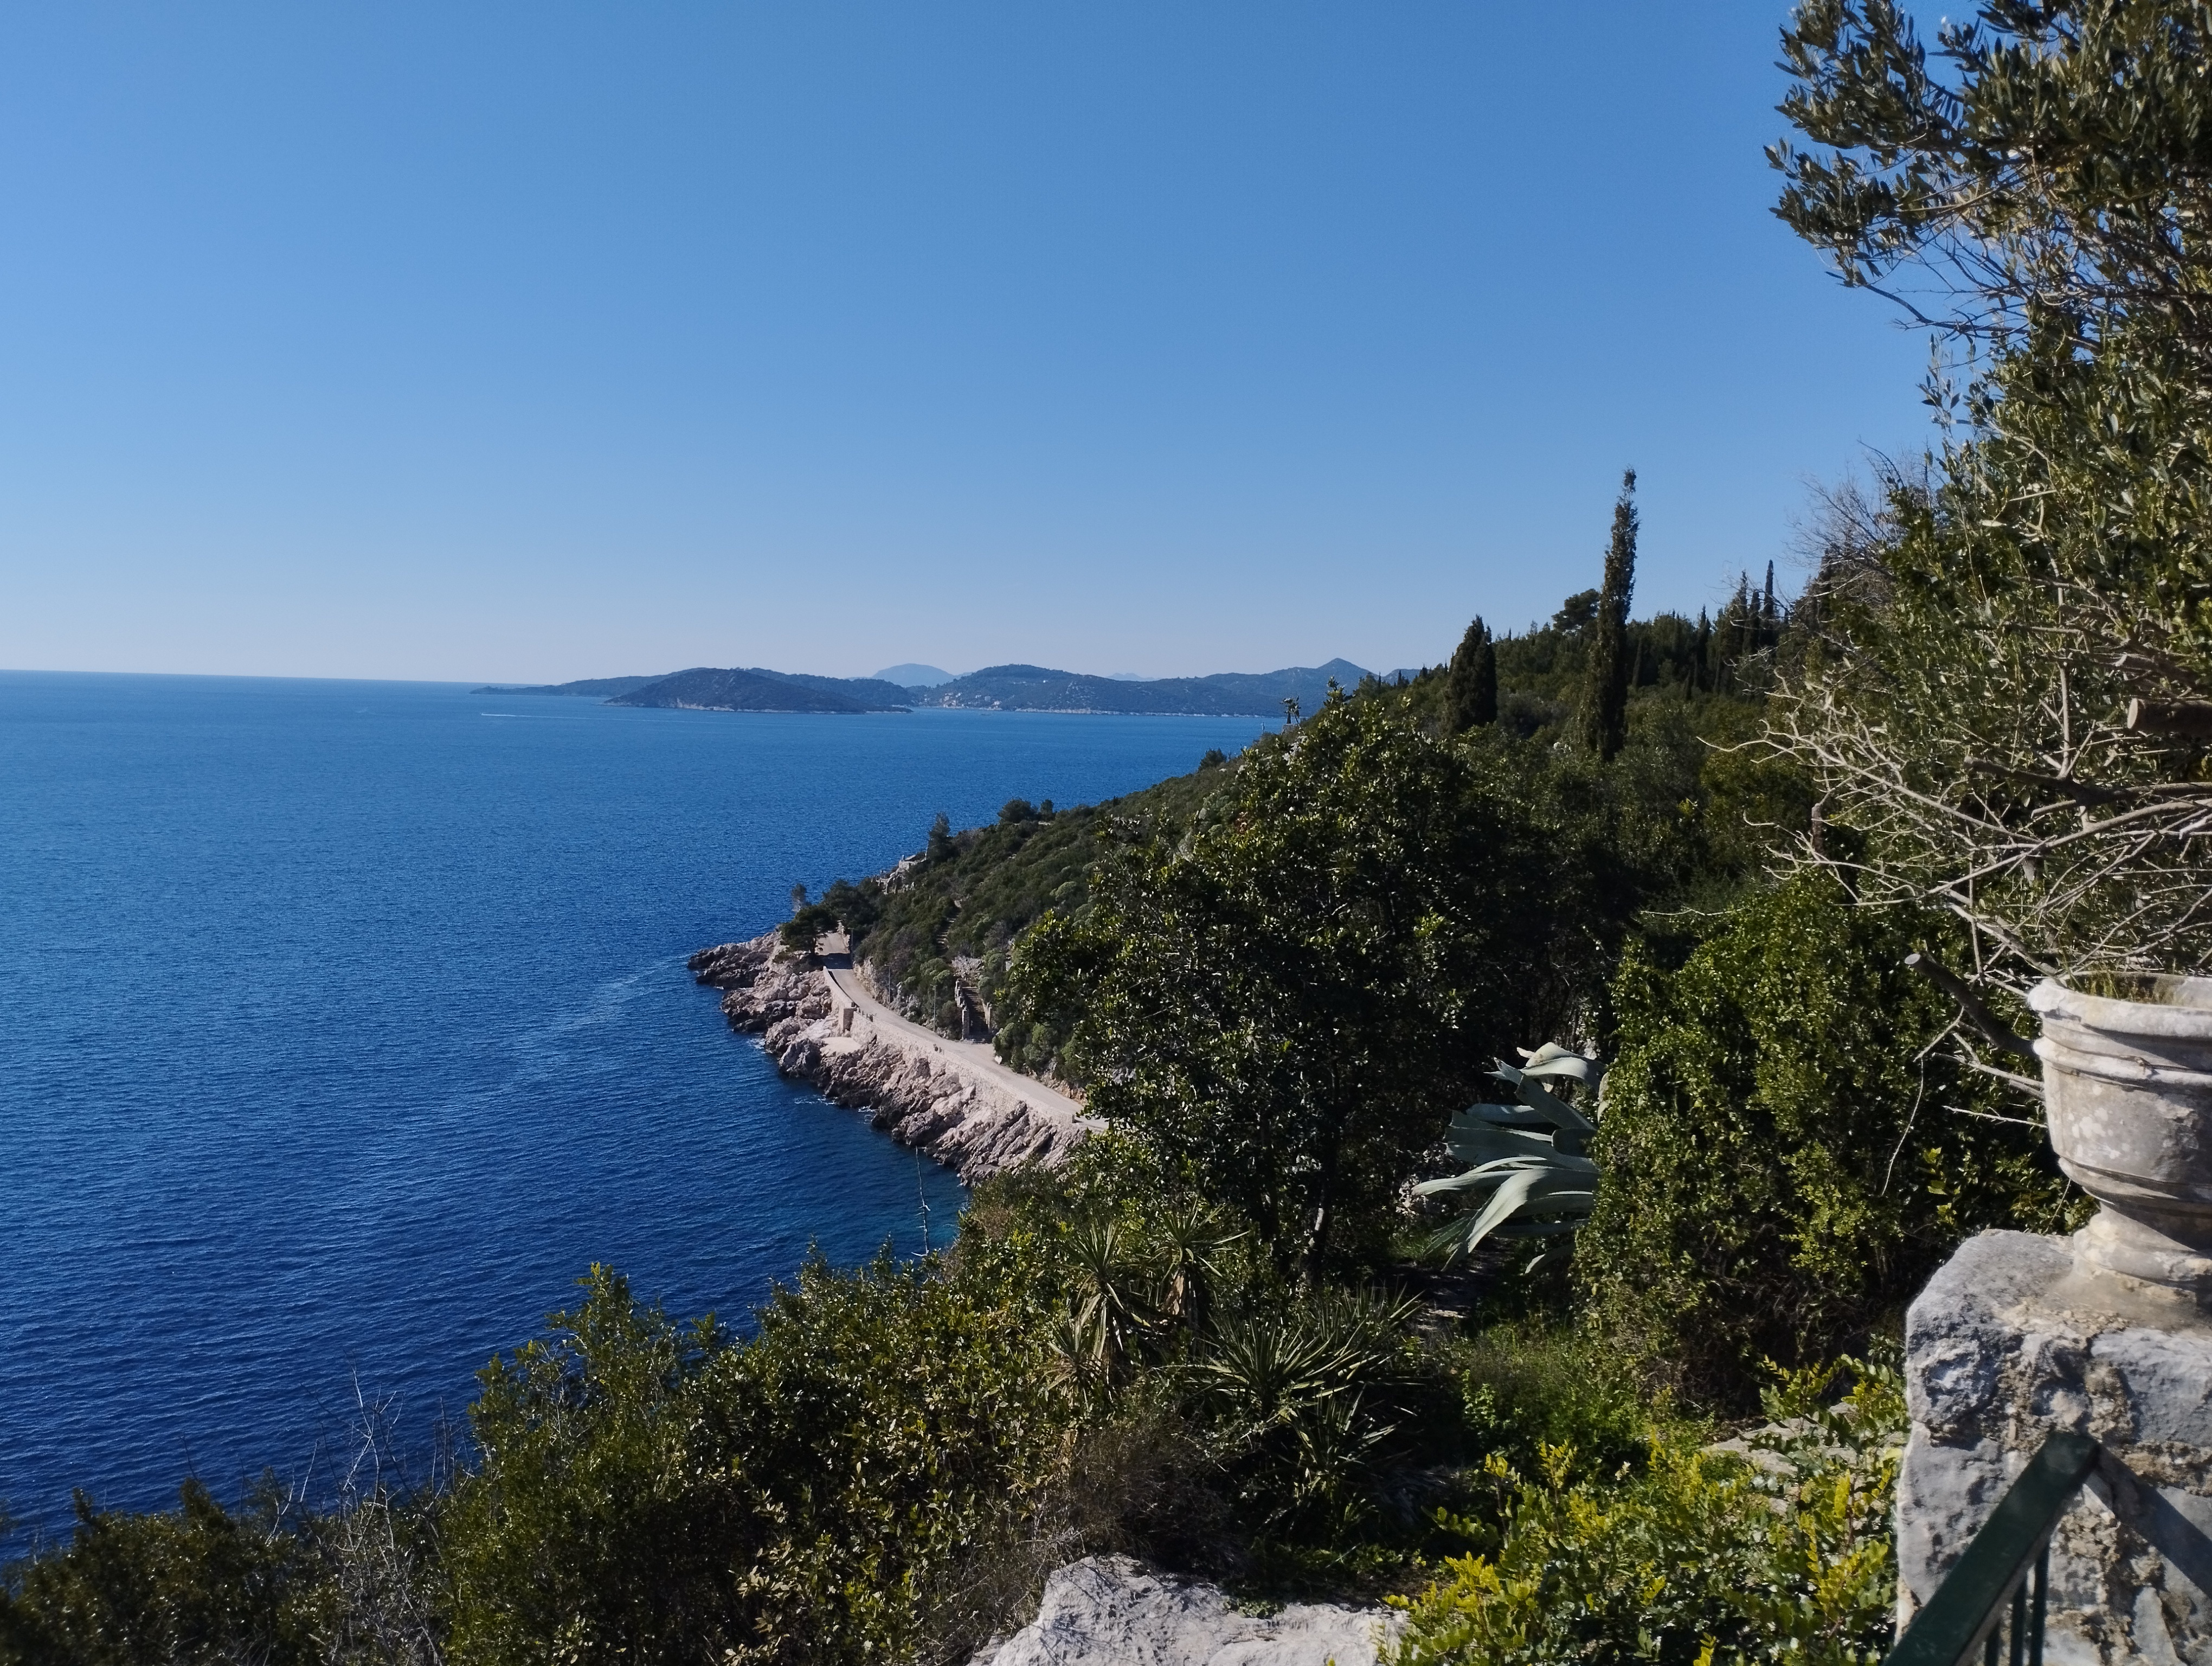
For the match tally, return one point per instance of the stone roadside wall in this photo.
(2013, 1340)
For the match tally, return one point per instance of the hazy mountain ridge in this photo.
(1224, 694)
(909, 674)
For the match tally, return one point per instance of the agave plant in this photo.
(1532, 1177)
(1264, 1371)
(1135, 1294)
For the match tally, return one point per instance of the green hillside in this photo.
(952, 914)
(967, 896)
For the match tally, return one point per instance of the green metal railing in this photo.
(1991, 1602)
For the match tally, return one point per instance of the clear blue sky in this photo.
(560, 340)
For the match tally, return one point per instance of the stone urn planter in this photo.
(2127, 1090)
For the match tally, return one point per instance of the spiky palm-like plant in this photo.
(1298, 1403)
(1109, 1301)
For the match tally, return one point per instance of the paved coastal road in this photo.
(973, 1055)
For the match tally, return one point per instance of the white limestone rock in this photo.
(1111, 1611)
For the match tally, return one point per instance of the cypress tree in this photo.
(1471, 689)
(1605, 691)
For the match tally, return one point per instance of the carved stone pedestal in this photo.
(2016, 1338)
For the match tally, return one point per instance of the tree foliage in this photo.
(1790, 1151)
(2052, 167)
(1471, 689)
(837, 1488)
(1292, 997)
(2004, 717)
(202, 1584)
(1604, 713)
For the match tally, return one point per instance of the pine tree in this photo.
(1471, 689)
(1605, 693)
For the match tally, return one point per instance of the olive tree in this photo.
(2004, 698)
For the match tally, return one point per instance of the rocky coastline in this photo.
(951, 1100)
(821, 1023)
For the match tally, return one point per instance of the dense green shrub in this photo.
(601, 1519)
(1685, 818)
(201, 1584)
(1288, 1407)
(1788, 1154)
(851, 1484)
(1690, 1555)
(1528, 1385)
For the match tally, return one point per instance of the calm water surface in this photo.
(343, 1025)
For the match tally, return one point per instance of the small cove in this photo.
(348, 1025)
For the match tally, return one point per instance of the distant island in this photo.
(1015, 687)
(754, 689)
(740, 688)
(597, 688)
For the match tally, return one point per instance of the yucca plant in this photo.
(1110, 1307)
(1188, 1244)
(1531, 1178)
(1297, 1404)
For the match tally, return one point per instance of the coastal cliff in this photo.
(949, 1100)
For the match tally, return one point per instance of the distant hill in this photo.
(704, 688)
(995, 688)
(1227, 694)
(914, 677)
(603, 688)
(877, 693)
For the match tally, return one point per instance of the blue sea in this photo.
(344, 1026)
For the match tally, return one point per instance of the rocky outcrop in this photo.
(1111, 1611)
(951, 1100)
